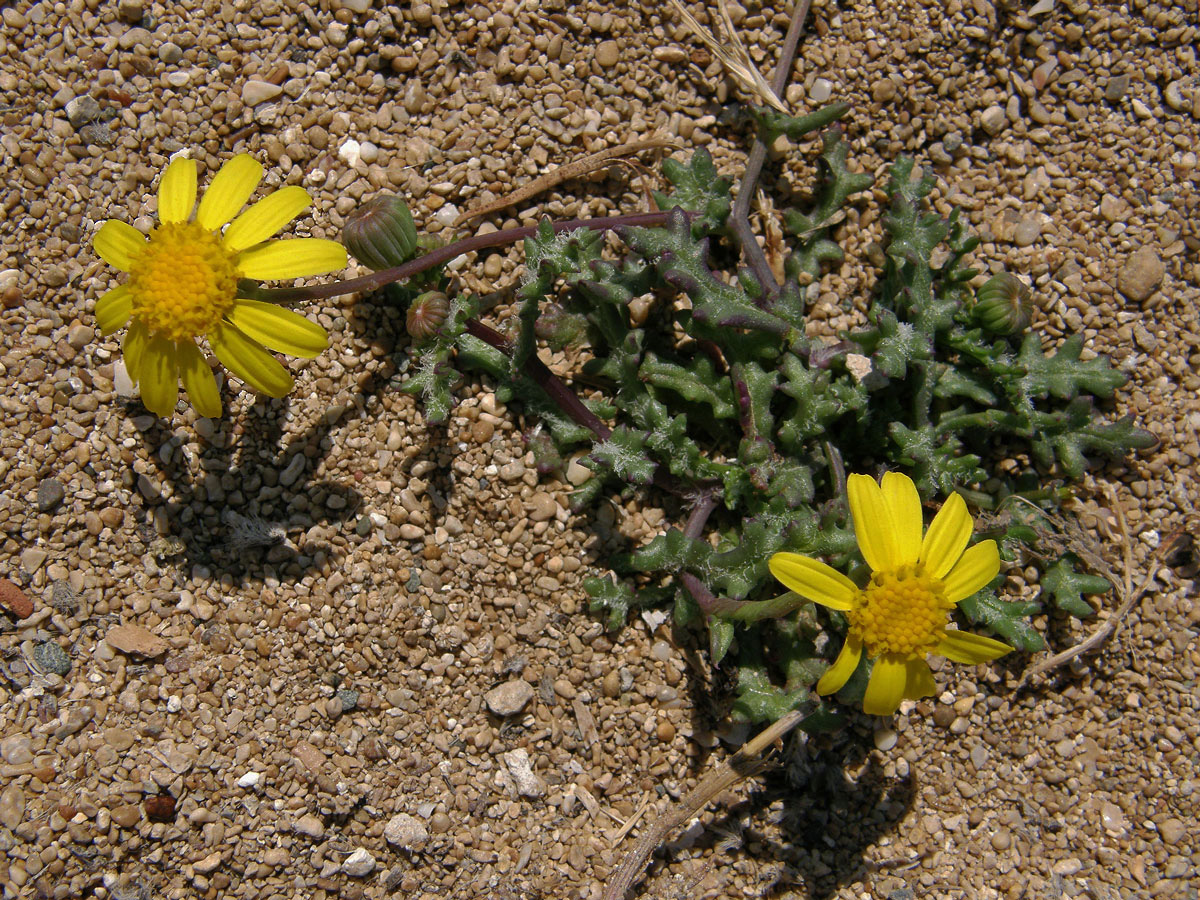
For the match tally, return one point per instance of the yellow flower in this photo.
(900, 616)
(183, 284)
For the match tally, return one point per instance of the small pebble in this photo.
(130, 10)
(309, 826)
(1116, 88)
(50, 657)
(50, 493)
(1141, 275)
(16, 749)
(509, 698)
(15, 600)
(359, 864)
(1172, 831)
(406, 832)
(993, 120)
(885, 739)
(255, 92)
(170, 53)
(608, 53)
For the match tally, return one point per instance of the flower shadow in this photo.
(249, 498)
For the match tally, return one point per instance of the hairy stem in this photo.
(376, 280)
(758, 155)
(537, 371)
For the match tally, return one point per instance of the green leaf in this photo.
(772, 123)
(698, 189)
(1008, 618)
(697, 382)
(720, 636)
(623, 454)
(610, 597)
(1067, 586)
(1063, 375)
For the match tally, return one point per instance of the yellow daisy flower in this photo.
(183, 284)
(901, 615)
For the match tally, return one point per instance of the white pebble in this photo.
(250, 780)
(359, 864)
(122, 383)
(885, 739)
(821, 90)
(351, 152)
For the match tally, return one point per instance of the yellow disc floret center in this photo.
(183, 282)
(902, 611)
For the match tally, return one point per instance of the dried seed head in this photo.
(381, 233)
(427, 314)
(1003, 305)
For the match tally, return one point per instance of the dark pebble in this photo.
(50, 493)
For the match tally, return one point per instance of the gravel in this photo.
(1067, 140)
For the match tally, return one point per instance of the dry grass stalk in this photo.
(735, 58)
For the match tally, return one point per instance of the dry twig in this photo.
(575, 169)
(739, 766)
(1124, 587)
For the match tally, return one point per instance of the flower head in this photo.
(183, 285)
(901, 615)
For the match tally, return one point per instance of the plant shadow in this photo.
(826, 807)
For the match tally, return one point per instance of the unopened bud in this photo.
(1003, 305)
(381, 233)
(427, 314)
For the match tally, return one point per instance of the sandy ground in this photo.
(311, 718)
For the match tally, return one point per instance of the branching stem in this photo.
(740, 217)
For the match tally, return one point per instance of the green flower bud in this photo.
(1003, 305)
(426, 315)
(381, 233)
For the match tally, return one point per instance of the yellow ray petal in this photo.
(177, 191)
(137, 338)
(198, 379)
(843, 667)
(114, 309)
(975, 568)
(249, 362)
(160, 377)
(947, 537)
(295, 258)
(964, 647)
(266, 217)
(118, 244)
(229, 190)
(873, 524)
(813, 580)
(919, 681)
(904, 503)
(886, 688)
(279, 329)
